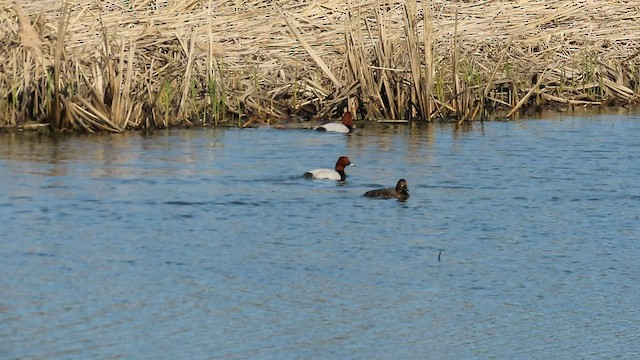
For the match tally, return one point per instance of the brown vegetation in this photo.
(89, 65)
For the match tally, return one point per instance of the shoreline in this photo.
(284, 124)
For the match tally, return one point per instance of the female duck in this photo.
(345, 127)
(331, 174)
(401, 192)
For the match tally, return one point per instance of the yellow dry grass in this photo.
(113, 65)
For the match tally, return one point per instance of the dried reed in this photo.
(127, 64)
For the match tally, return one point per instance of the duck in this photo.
(258, 123)
(331, 174)
(345, 126)
(401, 192)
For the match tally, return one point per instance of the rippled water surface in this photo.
(520, 240)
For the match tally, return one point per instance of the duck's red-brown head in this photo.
(347, 119)
(342, 162)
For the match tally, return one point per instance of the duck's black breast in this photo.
(402, 196)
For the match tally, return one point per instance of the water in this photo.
(208, 244)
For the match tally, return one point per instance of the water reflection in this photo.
(120, 155)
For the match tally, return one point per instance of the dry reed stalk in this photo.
(455, 72)
(384, 52)
(215, 97)
(118, 89)
(357, 65)
(569, 101)
(309, 49)
(57, 121)
(415, 60)
(186, 79)
(428, 59)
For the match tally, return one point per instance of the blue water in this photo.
(520, 240)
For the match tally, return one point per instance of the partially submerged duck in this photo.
(345, 126)
(257, 123)
(331, 174)
(401, 192)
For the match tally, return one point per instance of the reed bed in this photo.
(89, 65)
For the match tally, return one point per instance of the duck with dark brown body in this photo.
(401, 192)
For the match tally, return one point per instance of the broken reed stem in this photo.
(186, 80)
(536, 87)
(485, 93)
(308, 48)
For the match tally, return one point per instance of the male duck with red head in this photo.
(345, 126)
(331, 174)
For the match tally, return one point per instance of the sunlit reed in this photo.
(89, 65)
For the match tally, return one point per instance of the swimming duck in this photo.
(331, 174)
(401, 192)
(345, 126)
(258, 123)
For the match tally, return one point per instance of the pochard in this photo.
(401, 192)
(331, 174)
(345, 126)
